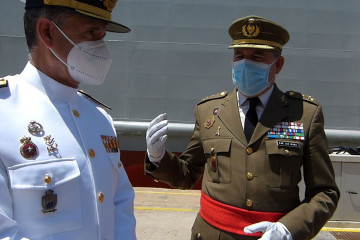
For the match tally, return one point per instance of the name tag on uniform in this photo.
(287, 144)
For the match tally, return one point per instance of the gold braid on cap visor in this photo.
(255, 41)
(80, 6)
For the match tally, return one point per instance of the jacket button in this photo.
(119, 165)
(92, 153)
(250, 176)
(249, 150)
(249, 202)
(198, 236)
(76, 113)
(47, 179)
(100, 197)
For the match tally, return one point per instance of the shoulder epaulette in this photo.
(93, 99)
(215, 96)
(3, 83)
(302, 96)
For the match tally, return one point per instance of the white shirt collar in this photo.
(49, 86)
(264, 98)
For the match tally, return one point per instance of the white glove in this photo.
(156, 138)
(270, 230)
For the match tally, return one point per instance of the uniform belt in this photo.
(232, 219)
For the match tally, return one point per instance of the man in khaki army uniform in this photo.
(250, 145)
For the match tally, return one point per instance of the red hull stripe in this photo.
(232, 219)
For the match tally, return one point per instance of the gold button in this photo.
(250, 176)
(76, 113)
(198, 236)
(91, 153)
(287, 151)
(119, 165)
(47, 179)
(249, 150)
(249, 202)
(100, 197)
(291, 93)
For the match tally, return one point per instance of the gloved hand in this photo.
(156, 136)
(270, 230)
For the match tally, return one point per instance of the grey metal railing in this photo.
(334, 137)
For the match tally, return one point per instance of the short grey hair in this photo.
(31, 16)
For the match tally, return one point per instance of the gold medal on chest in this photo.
(209, 121)
(28, 149)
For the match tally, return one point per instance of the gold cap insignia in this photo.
(110, 4)
(251, 28)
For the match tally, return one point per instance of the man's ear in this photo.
(279, 64)
(44, 29)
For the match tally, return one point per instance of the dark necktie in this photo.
(251, 118)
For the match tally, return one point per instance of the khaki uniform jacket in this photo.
(261, 175)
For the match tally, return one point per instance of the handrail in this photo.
(334, 136)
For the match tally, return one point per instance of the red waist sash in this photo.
(232, 219)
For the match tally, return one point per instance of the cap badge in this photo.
(109, 4)
(28, 149)
(251, 28)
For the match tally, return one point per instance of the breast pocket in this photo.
(218, 165)
(282, 169)
(46, 196)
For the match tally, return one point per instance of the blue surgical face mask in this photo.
(251, 78)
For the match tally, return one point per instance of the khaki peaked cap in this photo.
(257, 32)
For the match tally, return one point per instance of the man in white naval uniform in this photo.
(61, 177)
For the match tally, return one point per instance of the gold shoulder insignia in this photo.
(215, 96)
(302, 96)
(3, 83)
(93, 99)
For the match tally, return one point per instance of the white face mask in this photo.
(88, 62)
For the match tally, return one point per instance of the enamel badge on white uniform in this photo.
(287, 130)
(28, 149)
(49, 201)
(111, 143)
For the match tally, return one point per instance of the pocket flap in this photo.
(284, 147)
(32, 175)
(218, 144)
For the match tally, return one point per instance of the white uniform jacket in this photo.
(91, 196)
